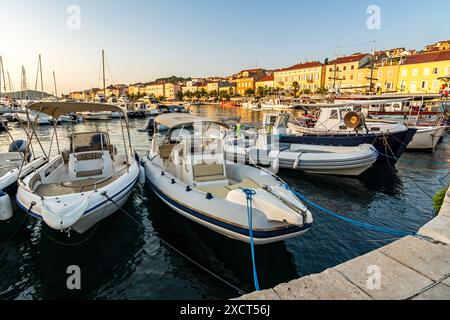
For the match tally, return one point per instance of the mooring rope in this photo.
(238, 290)
(364, 225)
(249, 195)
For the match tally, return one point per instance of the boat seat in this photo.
(166, 150)
(208, 172)
(89, 173)
(89, 156)
(54, 190)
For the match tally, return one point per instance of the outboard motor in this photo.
(20, 146)
(6, 211)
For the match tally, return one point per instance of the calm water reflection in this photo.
(123, 259)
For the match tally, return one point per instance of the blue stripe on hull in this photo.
(230, 227)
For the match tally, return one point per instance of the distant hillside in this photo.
(29, 94)
(173, 79)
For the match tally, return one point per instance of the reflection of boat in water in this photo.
(187, 170)
(83, 184)
(219, 254)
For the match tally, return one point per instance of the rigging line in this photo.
(238, 290)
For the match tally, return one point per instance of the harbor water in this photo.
(127, 257)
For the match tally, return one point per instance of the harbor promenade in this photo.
(409, 268)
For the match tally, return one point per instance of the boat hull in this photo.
(212, 213)
(426, 138)
(390, 146)
(99, 206)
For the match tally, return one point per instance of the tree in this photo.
(295, 88)
(180, 95)
(249, 92)
(261, 91)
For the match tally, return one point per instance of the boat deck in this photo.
(222, 191)
(71, 187)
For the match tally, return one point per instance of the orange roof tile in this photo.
(428, 57)
(302, 66)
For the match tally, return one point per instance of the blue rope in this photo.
(250, 193)
(354, 222)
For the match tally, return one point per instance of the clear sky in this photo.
(148, 39)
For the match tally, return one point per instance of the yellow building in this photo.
(246, 80)
(438, 46)
(386, 77)
(348, 73)
(171, 91)
(266, 83)
(155, 90)
(309, 76)
(419, 73)
(136, 90)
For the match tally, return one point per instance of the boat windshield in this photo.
(89, 141)
(199, 138)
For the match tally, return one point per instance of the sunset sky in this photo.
(148, 39)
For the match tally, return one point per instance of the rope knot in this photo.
(249, 193)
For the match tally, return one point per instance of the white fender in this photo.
(141, 175)
(6, 211)
(271, 207)
(60, 218)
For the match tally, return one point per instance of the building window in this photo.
(390, 73)
(345, 68)
(388, 85)
(426, 72)
(353, 67)
(436, 70)
(415, 72)
(351, 77)
(424, 85)
(404, 73)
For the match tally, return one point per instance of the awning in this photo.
(352, 103)
(56, 109)
(172, 120)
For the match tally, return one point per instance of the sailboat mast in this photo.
(42, 80)
(11, 89)
(54, 83)
(1, 72)
(104, 80)
(372, 68)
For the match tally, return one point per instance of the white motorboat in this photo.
(187, 170)
(331, 160)
(34, 118)
(104, 115)
(277, 104)
(426, 137)
(82, 184)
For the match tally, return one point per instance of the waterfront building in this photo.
(349, 74)
(246, 80)
(220, 86)
(171, 91)
(308, 76)
(420, 73)
(438, 46)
